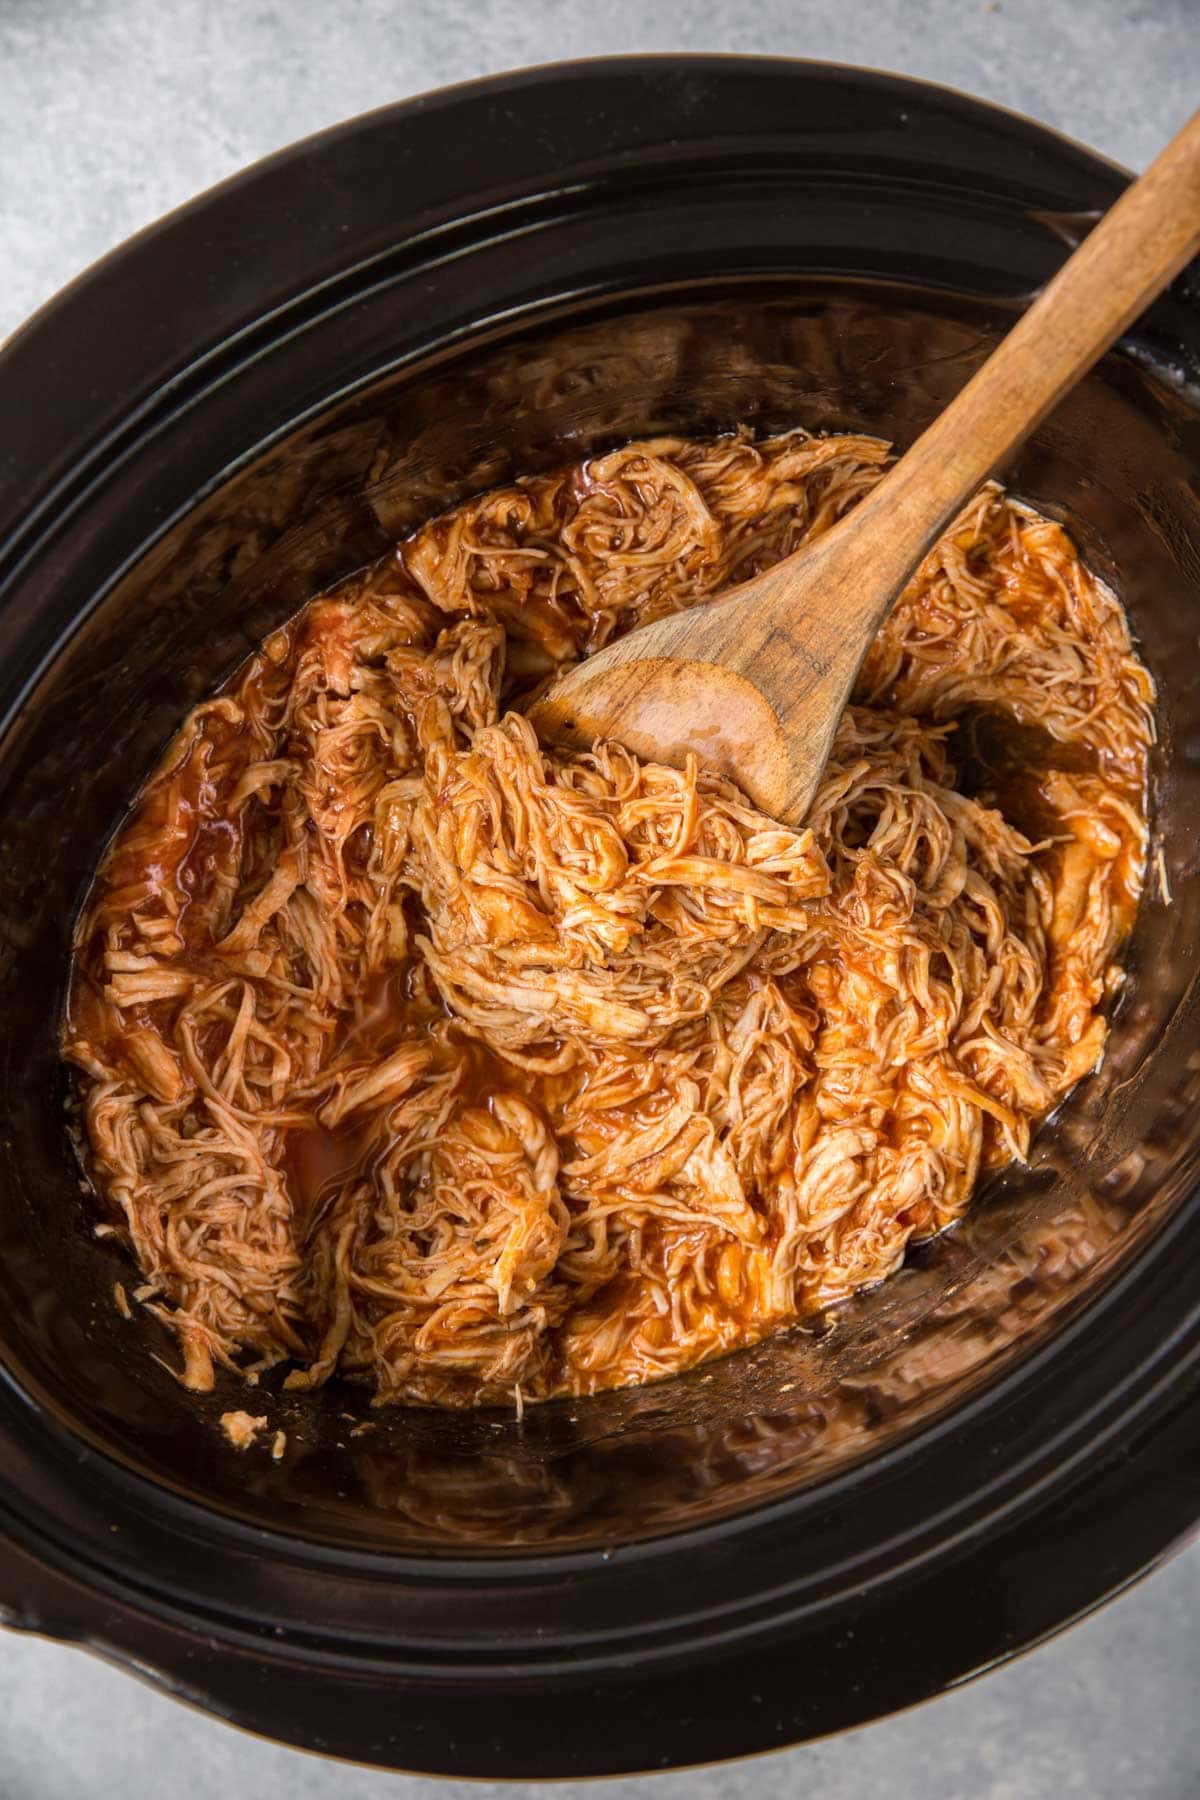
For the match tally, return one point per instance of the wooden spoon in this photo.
(755, 682)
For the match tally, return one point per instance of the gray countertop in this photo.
(114, 111)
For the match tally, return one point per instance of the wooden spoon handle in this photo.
(1124, 262)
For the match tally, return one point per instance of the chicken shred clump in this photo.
(413, 1051)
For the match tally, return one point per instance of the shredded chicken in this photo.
(241, 1428)
(413, 1051)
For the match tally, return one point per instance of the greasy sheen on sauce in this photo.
(412, 1051)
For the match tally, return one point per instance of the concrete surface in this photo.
(113, 111)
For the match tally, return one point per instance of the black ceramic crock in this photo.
(255, 397)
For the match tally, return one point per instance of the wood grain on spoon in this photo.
(754, 683)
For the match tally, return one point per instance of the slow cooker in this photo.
(256, 397)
